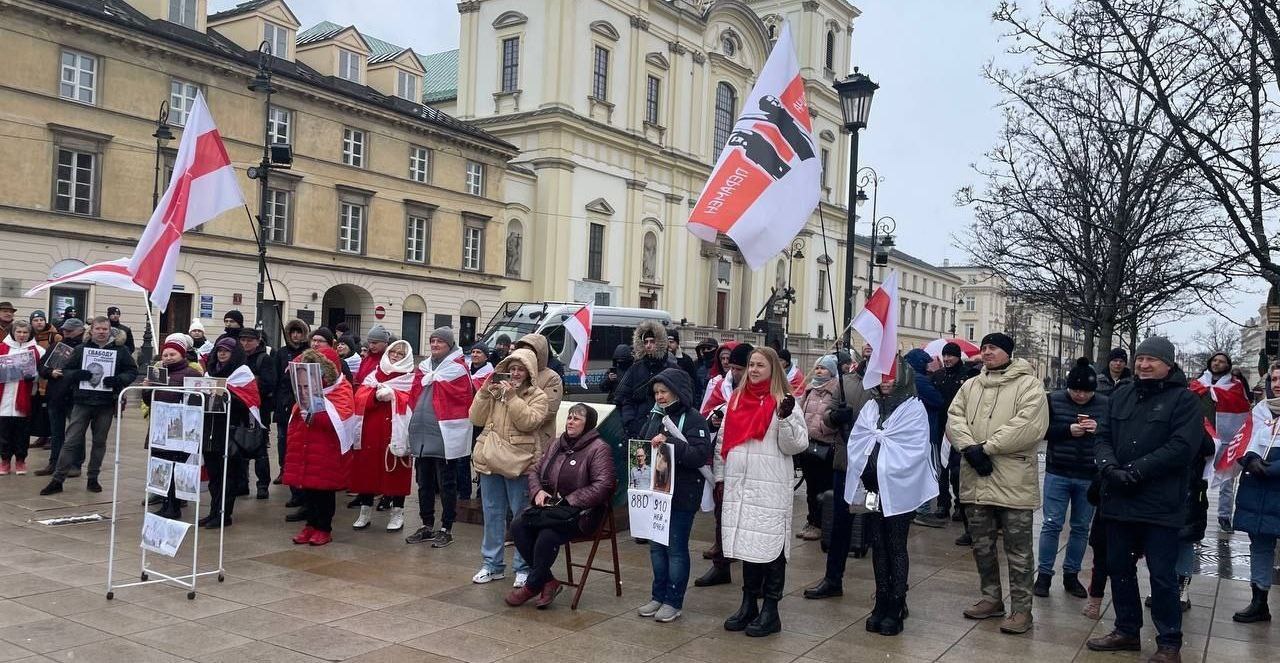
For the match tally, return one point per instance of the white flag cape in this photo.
(902, 468)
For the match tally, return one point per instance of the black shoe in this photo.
(215, 523)
(930, 520)
(354, 504)
(211, 518)
(1257, 611)
(93, 486)
(278, 480)
(894, 616)
(877, 615)
(957, 516)
(170, 510)
(296, 517)
(716, 575)
(1071, 583)
(54, 486)
(768, 621)
(747, 613)
(1224, 525)
(422, 535)
(45, 471)
(442, 539)
(858, 553)
(293, 503)
(825, 589)
(263, 493)
(964, 540)
(156, 499)
(1043, 582)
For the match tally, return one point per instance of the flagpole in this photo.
(148, 335)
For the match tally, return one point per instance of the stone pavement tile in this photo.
(66, 602)
(298, 581)
(587, 648)
(188, 638)
(258, 652)
(10, 651)
(50, 635)
(465, 646)
(995, 643)
(326, 642)
(114, 650)
(92, 576)
(12, 612)
(559, 614)
(172, 600)
(400, 654)
(1228, 649)
(247, 592)
(917, 641)
(441, 614)
(1042, 630)
(870, 656)
(314, 608)
(367, 596)
(387, 625)
(123, 618)
(732, 648)
(255, 623)
(514, 629)
(26, 584)
(630, 628)
(251, 569)
(298, 560)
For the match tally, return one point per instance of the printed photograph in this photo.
(16, 366)
(58, 356)
(159, 474)
(192, 428)
(639, 467)
(664, 469)
(161, 535)
(308, 387)
(158, 375)
(98, 364)
(186, 481)
(162, 415)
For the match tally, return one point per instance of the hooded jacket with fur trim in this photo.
(546, 379)
(633, 396)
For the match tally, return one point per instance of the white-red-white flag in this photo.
(243, 385)
(768, 177)
(202, 187)
(579, 328)
(114, 273)
(878, 324)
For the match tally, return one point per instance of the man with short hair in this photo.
(501, 348)
(6, 319)
(948, 380)
(996, 422)
(634, 396)
(297, 336)
(113, 314)
(91, 407)
(1117, 373)
(1157, 428)
(261, 364)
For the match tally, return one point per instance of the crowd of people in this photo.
(1131, 453)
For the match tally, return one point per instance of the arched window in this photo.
(773, 31)
(831, 50)
(726, 112)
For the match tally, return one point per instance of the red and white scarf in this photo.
(451, 396)
(398, 377)
(481, 376)
(1230, 402)
(15, 397)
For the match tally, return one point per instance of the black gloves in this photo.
(786, 406)
(870, 476)
(1254, 464)
(1121, 477)
(840, 416)
(979, 460)
(111, 381)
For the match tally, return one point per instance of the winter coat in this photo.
(1106, 384)
(634, 397)
(755, 517)
(512, 437)
(1068, 456)
(1004, 410)
(928, 394)
(691, 454)
(58, 391)
(1156, 430)
(283, 356)
(127, 343)
(947, 381)
(373, 469)
(126, 373)
(313, 457)
(815, 404)
(1258, 497)
(853, 393)
(581, 471)
(16, 397)
(263, 367)
(547, 379)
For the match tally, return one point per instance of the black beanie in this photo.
(235, 315)
(1082, 377)
(1002, 341)
(673, 335)
(740, 355)
(327, 335)
(951, 350)
(1118, 353)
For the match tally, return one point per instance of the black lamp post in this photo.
(274, 155)
(163, 135)
(878, 253)
(796, 252)
(955, 306)
(855, 92)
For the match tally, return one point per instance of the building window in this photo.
(826, 157)
(279, 125)
(407, 86)
(473, 247)
(822, 290)
(351, 228)
(600, 75)
(278, 37)
(182, 98)
(419, 163)
(726, 113)
(968, 331)
(830, 59)
(349, 63)
(970, 304)
(595, 252)
(415, 239)
(510, 64)
(729, 47)
(475, 178)
(74, 181)
(724, 271)
(275, 226)
(353, 147)
(651, 97)
(183, 12)
(79, 81)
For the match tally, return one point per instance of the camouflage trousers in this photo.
(984, 525)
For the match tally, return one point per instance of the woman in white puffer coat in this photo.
(762, 430)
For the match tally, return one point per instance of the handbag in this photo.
(246, 441)
(820, 452)
(542, 517)
(494, 455)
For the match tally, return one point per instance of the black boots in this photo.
(1071, 583)
(716, 575)
(1258, 611)
(745, 615)
(877, 614)
(171, 509)
(895, 614)
(1043, 582)
(768, 622)
(823, 590)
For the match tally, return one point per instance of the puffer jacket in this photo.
(1006, 411)
(581, 471)
(815, 403)
(1258, 497)
(1106, 384)
(691, 454)
(547, 379)
(755, 521)
(1068, 456)
(512, 437)
(313, 457)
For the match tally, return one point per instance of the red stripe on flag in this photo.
(793, 100)
(734, 187)
(878, 305)
(775, 138)
(211, 154)
(175, 215)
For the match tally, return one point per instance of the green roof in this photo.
(381, 51)
(319, 32)
(441, 80)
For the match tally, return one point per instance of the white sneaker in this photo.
(666, 614)
(396, 523)
(484, 575)
(366, 513)
(521, 578)
(649, 609)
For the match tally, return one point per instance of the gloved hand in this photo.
(841, 416)
(979, 460)
(1254, 464)
(1121, 477)
(786, 406)
(111, 382)
(384, 393)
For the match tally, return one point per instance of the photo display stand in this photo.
(154, 530)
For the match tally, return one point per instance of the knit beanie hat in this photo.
(1118, 353)
(324, 333)
(445, 334)
(1082, 377)
(378, 334)
(37, 314)
(740, 354)
(952, 350)
(1158, 347)
(235, 315)
(673, 335)
(196, 324)
(72, 324)
(1002, 341)
(175, 346)
(180, 338)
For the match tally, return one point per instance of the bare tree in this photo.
(1219, 337)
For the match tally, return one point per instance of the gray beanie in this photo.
(72, 324)
(1158, 347)
(378, 333)
(445, 334)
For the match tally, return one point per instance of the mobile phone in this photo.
(1081, 418)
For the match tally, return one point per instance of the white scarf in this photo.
(903, 470)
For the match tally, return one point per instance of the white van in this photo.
(610, 327)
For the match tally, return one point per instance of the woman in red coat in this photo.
(317, 458)
(375, 470)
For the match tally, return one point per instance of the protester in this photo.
(376, 343)
(512, 412)
(232, 323)
(16, 400)
(1258, 501)
(113, 314)
(46, 337)
(375, 468)
(622, 361)
(571, 487)
(815, 462)
(795, 376)
(439, 434)
(6, 319)
(546, 379)
(296, 333)
(173, 358)
(263, 367)
(349, 352)
(317, 461)
(996, 421)
(501, 348)
(719, 391)
(683, 361)
(931, 398)
(93, 407)
(720, 385)
(762, 430)
(948, 380)
(704, 360)
(1077, 420)
(226, 467)
(59, 393)
(480, 370)
(200, 344)
(1156, 426)
(634, 398)
(1230, 401)
(323, 338)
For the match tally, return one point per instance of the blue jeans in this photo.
(1262, 552)
(501, 497)
(1186, 559)
(671, 562)
(1059, 493)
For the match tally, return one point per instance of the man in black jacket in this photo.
(634, 397)
(684, 362)
(263, 367)
(1156, 426)
(94, 401)
(1077, 422)
(57, 396)
(297, 336)
(948, 381)
(113, 314)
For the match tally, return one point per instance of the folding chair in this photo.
(606, 531)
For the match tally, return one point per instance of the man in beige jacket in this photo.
(995, 423)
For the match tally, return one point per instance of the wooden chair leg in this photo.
(617, 569)
(586, 571)
(568, 564)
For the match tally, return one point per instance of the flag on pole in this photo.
(768, 179)
(878, 324)
(202, 187)
(243, 385)
(114, 273)
(579, 328)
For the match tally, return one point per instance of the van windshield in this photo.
(512, 331)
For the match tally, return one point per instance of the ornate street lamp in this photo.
(856, 92)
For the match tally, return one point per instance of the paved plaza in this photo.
(368, 597)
